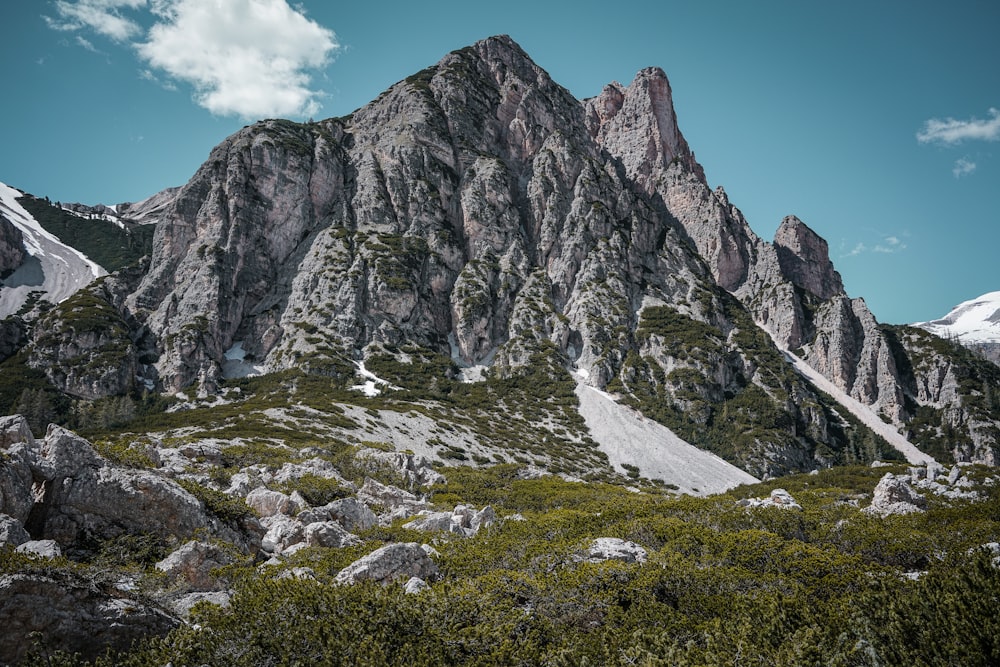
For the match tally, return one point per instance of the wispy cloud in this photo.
(101, 16)
(951, 131)
(963, 167)
(250, 58)
(885, 244)
(87, 44)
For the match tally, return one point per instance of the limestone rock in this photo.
(464, 521)
(805, 259)
(182, 605)
(12, 252)
(266, 502)
(778, 498)
(60, 488)
(416, 470)
(399, 502)
(40, 548)
(393, 562)
(415, 586)
(283, 532)
(894, 495)
(613, 548)
(350, 513)
(12, 532)
(192, 565)
(328, 534)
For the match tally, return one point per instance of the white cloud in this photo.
(886, 245)
(963, 167)
(244, 57)
(102, 16)
(950, 131)
(251, 58)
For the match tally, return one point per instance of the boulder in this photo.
(415, 585)
(282, 532)
(612, 548)
(399, 503)
(415, 469)
(192, 565)
(463, 520)
(72, 614)
(60, 488)
(40, 548)
(12, 533)
(393, 562)
(778, 498)
(182, 605)
(266, 502)
(19, 454)
(894, 495)
(328, 534)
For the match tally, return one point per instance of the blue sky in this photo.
(874, 121)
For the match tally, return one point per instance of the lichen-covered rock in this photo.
(463, 520)
(393, 562)
(40, 548)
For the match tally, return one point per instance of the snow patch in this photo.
(235, 364)
(629, 438)
(63, 270)
(974, 321)
(469, 373)
(373, 385)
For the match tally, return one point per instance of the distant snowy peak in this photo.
(972, 322)
(52, 269)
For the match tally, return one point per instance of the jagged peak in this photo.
(638, 125)
(804, 257)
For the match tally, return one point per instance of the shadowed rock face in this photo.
(11, 247)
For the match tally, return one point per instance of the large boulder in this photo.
(393, 562)
(60, 488)
(894, 495)
(12, 532)
(75, 615)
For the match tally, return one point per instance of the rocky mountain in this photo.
(974, 324)
(476, 216)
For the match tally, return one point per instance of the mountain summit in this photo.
(478, 215)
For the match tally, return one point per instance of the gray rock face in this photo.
(12, 251)
(388, 564)
(12, 532)
(805, 259)
(74, 615)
